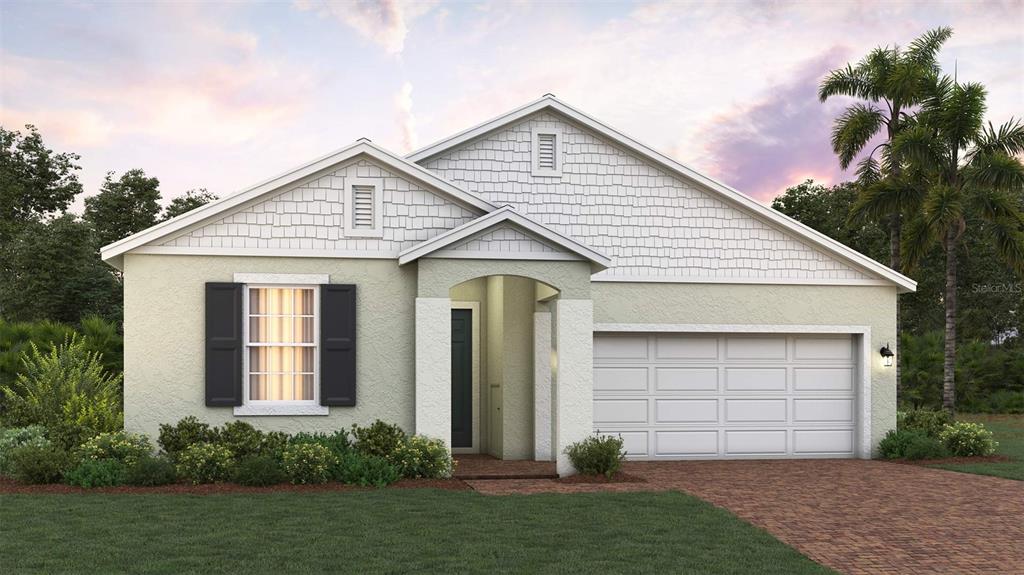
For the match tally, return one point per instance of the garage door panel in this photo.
(686, 411)
(755, 442)
(686, 443)
(755, 348)
(755, 379)
(619, 411)
(686, 379)
(620, 348)
(620, 379)
(807, 410)
(823, 379)
(823, 348)
(634, 442)
(755, 410)
(822, 441)
(675, 347)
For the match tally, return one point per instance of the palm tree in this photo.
(971, 176)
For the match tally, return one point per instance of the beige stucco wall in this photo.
(729, 304)
(164, 339)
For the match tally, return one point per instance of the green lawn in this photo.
(388, 531)
(1009, 432)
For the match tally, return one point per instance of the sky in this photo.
(224, 95)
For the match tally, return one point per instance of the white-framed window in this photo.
(281, 332)
(547, 152)
(364, 207)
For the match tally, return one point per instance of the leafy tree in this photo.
(34, 181)
(827, 209)
(52, 271)
(123, 206)
(972, 178)
(188, 202)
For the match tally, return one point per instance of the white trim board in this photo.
(862, 332)
(549, 102)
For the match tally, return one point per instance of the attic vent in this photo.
(547, 152)
(362, 207)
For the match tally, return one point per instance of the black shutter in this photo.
(224, 345)
(338, 344)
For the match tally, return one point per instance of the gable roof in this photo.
(729, 194)
(113, 253)
(495, 219)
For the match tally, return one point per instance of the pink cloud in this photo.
(384, 22)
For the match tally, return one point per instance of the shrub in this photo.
(355, 468)
(308, 463)
(119, 445)
(205, 463)
(422, 456)
(148, 471)
(67, 391)
(925, 420)
(336, 442)
(597, 455)
(274, 443)
(965, 439)
(379, 439)
(174, 439)
(259, 471)
(241, 438)
(923, 446)
(96, 473)
(11, 439)
(39, 464)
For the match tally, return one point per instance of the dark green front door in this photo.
(462, 378)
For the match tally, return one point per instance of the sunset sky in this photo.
(223, 95)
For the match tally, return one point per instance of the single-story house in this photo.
(511, 289)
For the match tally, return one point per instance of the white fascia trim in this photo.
(832, 246)
(866, 349)
(506, 213)
(267, 252)
(282, 408)
(290, 279)
(732, 280)
(111, 253)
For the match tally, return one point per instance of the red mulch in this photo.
(9, 486)
(617, 478)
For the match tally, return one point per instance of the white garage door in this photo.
(700, 396)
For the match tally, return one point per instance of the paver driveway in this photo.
(854, 516)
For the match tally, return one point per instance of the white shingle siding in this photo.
(311, 216)
(650, 222)
(506, 239)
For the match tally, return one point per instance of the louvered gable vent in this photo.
(546, 152)
(362, 207)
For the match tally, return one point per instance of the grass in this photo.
(1009, 432)
(388, 531)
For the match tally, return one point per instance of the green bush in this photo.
(928, 421)
(911, 444)
(336, 442)
(151, 470)
(175, 439)
(379, 439)
(97, 473)
(205, 463)
(15, 437)
(597, 455)
(241, 438)
(355, 468)
(259, 471)
(308, 463)
(39, 464)
(274, 443)
(422, 456)
(119, 445)
(1001, 401)
(67, 391)
(965, 439)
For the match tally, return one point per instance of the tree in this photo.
(827, 209)
(124, 206)
(34, 181)
(188, 202)
(971, 179)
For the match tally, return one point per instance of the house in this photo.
(511, 289)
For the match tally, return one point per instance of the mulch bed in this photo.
(617, 478)
(956, 460)
(9, 486)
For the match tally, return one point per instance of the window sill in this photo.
(250, 410)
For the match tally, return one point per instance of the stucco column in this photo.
(434, 368)
(575, 400)
(542, 386)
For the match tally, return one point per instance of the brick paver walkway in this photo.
(854, 516)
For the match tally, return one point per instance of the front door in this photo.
(462, 378)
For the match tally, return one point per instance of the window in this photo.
(281, 344)
(547, 152)
(364, 206)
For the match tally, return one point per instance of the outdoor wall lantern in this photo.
(887, 355)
